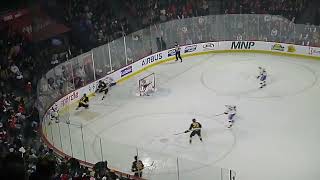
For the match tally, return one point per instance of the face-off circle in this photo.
(240, 79)
(164, 143)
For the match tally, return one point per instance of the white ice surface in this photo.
(275, 136)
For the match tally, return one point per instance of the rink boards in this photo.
(188, 50)
(194, 50)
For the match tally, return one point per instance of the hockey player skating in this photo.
(144, 87)
(231, 112)
(262, 77)
(102, 87)
(195, 129)
(177, 51)
(137, 167)
(83, 102)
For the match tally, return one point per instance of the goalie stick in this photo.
(219, 114)
(150, 164)
(144, 89)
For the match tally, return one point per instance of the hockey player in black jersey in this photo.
(195, 129)
(102, 87)
(83, 102)
(105, 85)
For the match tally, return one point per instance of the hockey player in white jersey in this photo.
(102, 87)
(262, 77)
(231, 112)
(110, 82)
(54, 113)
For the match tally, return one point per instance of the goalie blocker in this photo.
(147, 84)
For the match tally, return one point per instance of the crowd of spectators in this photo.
(104, 24)
(22, 153)
(22, 63)
(97, 19)
(317, 17)
(287, 8)
(310, 36)
(148, 12)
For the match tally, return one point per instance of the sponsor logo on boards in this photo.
(171, 52)
(277, 47)
(151, 59)
(291, 48)
(70, 97)
(242, 44)
(126, 71)
(190, 48)
(314, 51)
(209, 46)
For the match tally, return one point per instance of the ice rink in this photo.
(275, 136)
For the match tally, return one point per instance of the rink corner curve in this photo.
(278, 49)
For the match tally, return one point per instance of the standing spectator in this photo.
(28, 89)
(274, 34)
(205, 7)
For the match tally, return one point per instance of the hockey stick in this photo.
(179, 133)
(219, 114)
(188, 131)
(151, 165)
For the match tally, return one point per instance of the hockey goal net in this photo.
(147, 84)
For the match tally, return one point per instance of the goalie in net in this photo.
(147, 84)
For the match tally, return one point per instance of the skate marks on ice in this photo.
(165, 74)
(157, 136)
(86, 114)
(239, 78)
